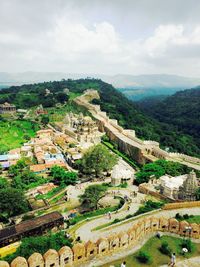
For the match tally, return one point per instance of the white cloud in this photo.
(81, 38)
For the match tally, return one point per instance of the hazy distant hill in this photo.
(133, 86)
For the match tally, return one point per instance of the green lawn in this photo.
(152, 248)
(13, 133)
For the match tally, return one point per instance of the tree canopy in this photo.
(159, 168)
(92, 195)
(98, 158)
(62, 176)
(12, 202)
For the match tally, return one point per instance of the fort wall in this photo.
(141, 151)
(83, 252)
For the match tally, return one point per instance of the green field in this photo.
(152, 248)
(14, 133)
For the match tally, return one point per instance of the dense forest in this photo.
(113, 102)
(181, 110)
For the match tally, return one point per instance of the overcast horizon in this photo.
(100, 37)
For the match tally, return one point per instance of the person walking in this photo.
(173, 260)
(123, 264)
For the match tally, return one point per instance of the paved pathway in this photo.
(192, 262)
(85, 231)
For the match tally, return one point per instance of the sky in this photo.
(100, 36)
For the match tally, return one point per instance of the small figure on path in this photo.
(123, 264)
(128, 208)
(173, 260)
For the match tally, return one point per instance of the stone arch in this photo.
(137, 231)
(195, 230)
(154, 224)
(113, 242)
(79, 252)
(163, 224)
(66, 256)
(182, 228)
(4, 264)
(173, 225)
(103, 246)
(123, 239)
(19, 262)
(91, 250)
(51, 258)
(131, 235)
(147, 223)
(36, 260)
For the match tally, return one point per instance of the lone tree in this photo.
(92, 195)
(98, 159)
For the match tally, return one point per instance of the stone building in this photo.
(189, 187)
(7, 108)
(83, 128)
(122, 173)
(181, 187)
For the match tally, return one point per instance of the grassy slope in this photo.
(152, 247)
(13, 132)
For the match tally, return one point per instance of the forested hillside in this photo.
(113, 102)
(182, 110)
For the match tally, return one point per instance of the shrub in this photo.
(165, 249)
(186, 216)
(187, 243)
(178, 216)
(143, 257)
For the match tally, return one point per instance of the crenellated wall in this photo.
(83, 252)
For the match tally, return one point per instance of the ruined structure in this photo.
(7, 108)
(83, 252)
(83, 128)
(126, 140)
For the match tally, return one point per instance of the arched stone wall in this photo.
(79, 252)
(19, 262)
(67, 257)
(51, 258)
(103, 246)
(36, 260)
(113, 242)
(4, 264)
(91, 249)
(173, 225)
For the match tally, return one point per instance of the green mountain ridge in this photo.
(128, 114)
(181, 110)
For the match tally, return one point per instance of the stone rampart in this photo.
(181, 205)
(83, 252)
(141, 151)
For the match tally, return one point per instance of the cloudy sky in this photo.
(100, 36)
